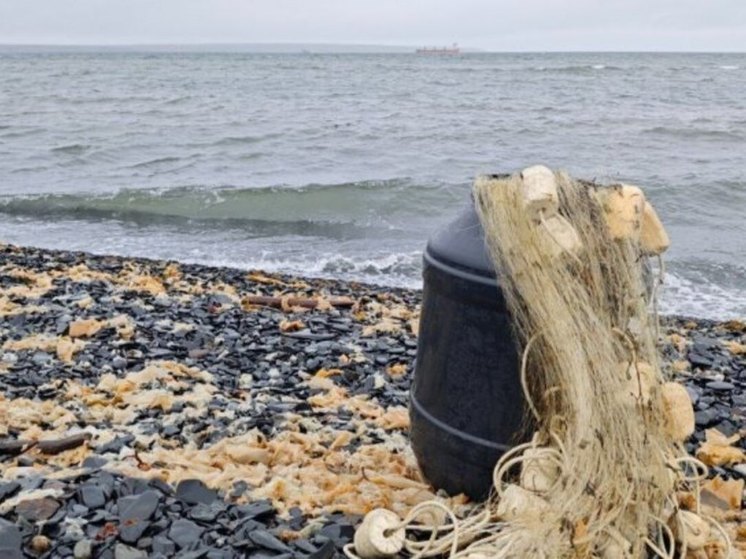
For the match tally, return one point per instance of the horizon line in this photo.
(469, 50)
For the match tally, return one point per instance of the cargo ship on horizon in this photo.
(453, 49)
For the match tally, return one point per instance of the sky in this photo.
(499, 25)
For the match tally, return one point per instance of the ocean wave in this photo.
(701, 297)
(729, 67)
(364, 204)
(245, 140)
(576, 68)
(695, 133)
(156, 161)
(71, 149)
(392, 270)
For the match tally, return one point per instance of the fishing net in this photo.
(600, 475)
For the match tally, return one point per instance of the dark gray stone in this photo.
(132, 529)
(10, 540)
(92, 496)
(162, 544)
(255, 509)
(185, 533)
(138, 507)
(705, 417)
(720, 385)
(119, 363)
(193, 492)
(8, 489)
(264, 539)
(326, 551)
(204, 513)
(95, 462)
(701, 361)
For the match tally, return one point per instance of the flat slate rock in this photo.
(194, 492)
(185, 533)
(92, 496)
(10, 540)
(35, 510)
(265, 540)
(138, 507)
(8, 489)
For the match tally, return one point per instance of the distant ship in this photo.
(453, 49)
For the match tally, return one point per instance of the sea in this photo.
(342, 165)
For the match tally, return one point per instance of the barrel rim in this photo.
(460, 272)
(452, 430)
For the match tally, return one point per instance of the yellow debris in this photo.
(653, 236)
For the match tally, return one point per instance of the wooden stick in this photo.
(266, 301)
(61, 445)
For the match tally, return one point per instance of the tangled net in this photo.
(600, 476)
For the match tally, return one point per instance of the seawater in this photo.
(343, 164)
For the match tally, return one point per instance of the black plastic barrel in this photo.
(466, 403)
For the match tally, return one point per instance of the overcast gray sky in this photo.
(710, 25)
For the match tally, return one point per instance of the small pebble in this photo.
(83, 550)
(39, 544)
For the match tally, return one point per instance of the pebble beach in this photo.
(155, 409)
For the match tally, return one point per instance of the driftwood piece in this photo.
(12, 447)
(277, 302)
(56, 446)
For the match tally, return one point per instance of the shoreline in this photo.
(202, 407)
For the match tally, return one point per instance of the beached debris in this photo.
(623, 206)
(84, 328)
(679, 412)
(539, 190)
(728, 491)
(601, 474)
(288, 303)
(718, 450)
(653, 236)
(56, 446)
